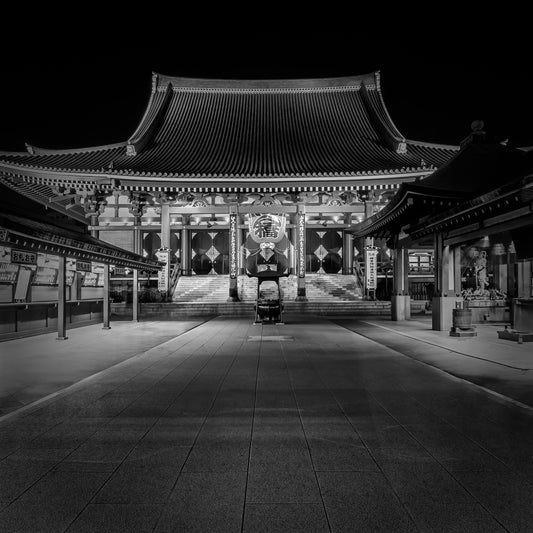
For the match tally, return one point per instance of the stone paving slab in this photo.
(344, 428)
(34, 367)
(499, 365)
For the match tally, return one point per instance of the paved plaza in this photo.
(221, 426)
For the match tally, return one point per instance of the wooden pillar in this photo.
(61, 300)
(165, 224)
(400, 300)
(233, 254)
(185, 248)
(94, 222)
(369, 211)
(135, 304)
(457, 269)
(137, 235)
(445, 300)
(347, 254)
(511, 279)
(301, 252)
(106, 297)
(242, 250)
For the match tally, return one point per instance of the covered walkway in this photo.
(341, 425)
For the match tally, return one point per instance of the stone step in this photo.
(177, 310)
(319, 287)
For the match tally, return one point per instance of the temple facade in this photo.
(216, 167)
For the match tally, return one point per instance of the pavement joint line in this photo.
(444, 347)
(79, 384)
(451, 375)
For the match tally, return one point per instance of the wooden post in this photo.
(61, 300)
(165, 224)
(135, 304)
(106, 297)
(185, 248)
(347, 253)
(94, 222)
(400, 300)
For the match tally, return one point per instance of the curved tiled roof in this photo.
(217, 129)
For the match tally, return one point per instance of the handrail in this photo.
(174, 277)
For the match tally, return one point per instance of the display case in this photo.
(92, 285)
(45, 276)
(8, 279)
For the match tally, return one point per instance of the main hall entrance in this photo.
(210, 252)
(323, 251)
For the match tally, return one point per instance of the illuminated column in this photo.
(106, 296)
(347, 254)
(233, 254)
(240, 240)
(137, 208)
(300, 247)
(135, 304)
(94, 205)
(61, 300)
(445, 300)
(185, 247)
(400, 299)
(165, 224)
(366, 198)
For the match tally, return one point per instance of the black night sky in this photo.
(74, 88)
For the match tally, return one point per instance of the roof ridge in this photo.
(433, 145)
(178, 82)
(35, 150)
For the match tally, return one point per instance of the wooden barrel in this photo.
(462, 318)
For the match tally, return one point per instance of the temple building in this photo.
(478, 210)
(222, 175)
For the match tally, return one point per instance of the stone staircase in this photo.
(201, 289)
(327, 294)
(319, 288)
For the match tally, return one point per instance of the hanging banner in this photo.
(300, 221)
(163, 255)
(371, 268)
(233, 245)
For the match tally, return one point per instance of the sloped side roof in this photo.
(56, 238)
(480, 167)
(248, 128)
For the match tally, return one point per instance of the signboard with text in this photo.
(233, 245)
(163, 255)
(371, 268)
(23, 257)
(300, 220)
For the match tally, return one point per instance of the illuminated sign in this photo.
(23, 258)
(301, 244)
(371, 267)
(233, 245)
(163, 255)
(3, 234)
